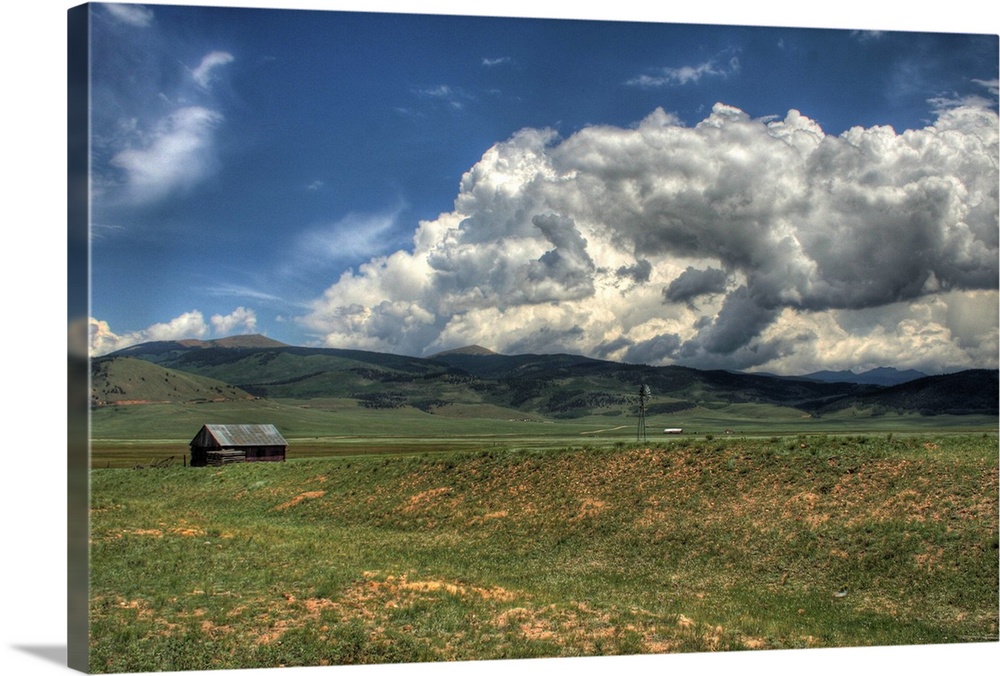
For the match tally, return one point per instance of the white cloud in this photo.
(133, 15)
(241, 291)
(103, 340)
(736, 243)
(202, 74)
(151, 142)
(682, 75)
(241, 319)
(177, 154)
(992, 86)
(452, 96)
(941, 332)
(189, 325)
(868, 35)
(353, 236)
(104, 230)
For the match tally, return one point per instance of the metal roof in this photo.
(245, 435)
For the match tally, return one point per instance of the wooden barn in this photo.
(222, 444)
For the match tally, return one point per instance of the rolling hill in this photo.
(877, 376)
(122, 381)
(963, 393)
(550, 385)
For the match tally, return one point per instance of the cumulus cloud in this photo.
(564, 272)
(653, 350)
(241, 319)
(600, 243)
(693, 283)
(740, 320)
(103, 339)
(189, 325)
(639, 272)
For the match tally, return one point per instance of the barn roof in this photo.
(243, 435)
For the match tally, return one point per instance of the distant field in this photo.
(139, 434)
(685, 544)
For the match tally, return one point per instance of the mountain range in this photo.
(547, 385)
(878, 376)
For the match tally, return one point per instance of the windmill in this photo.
(644, 394)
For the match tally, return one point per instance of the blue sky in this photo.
(715, 196)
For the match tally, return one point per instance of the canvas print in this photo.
(427, 338)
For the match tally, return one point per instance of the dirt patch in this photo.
(529, 623)
(589, 508)
(425, 498)
(183, 530)
(578, 626)
(213, 630)
(931, 559)
(187, 532)
(142, 609)
(492, 516)
(135, 402)
(310, 495)
(398, 588)
(274, 632)
(289, 615)
(150, 532)
(371, 599)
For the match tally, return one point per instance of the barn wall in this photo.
(199, 457)
(215, 455)
(226, 456)
(266, 454)
(204, 440)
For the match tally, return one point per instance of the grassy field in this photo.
(125, 436)
(510, 550)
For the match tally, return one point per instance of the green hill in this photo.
(972, 392)
(548, 385)
(122, 381)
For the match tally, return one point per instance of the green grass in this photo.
(124, 436)
(687, 544)
(127, 379)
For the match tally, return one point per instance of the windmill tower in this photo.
(644, 394)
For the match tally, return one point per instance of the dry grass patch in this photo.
(309, 495)
(578, 626)
(589, 508)
(397, 590)
(293, 613)
(425, 499)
